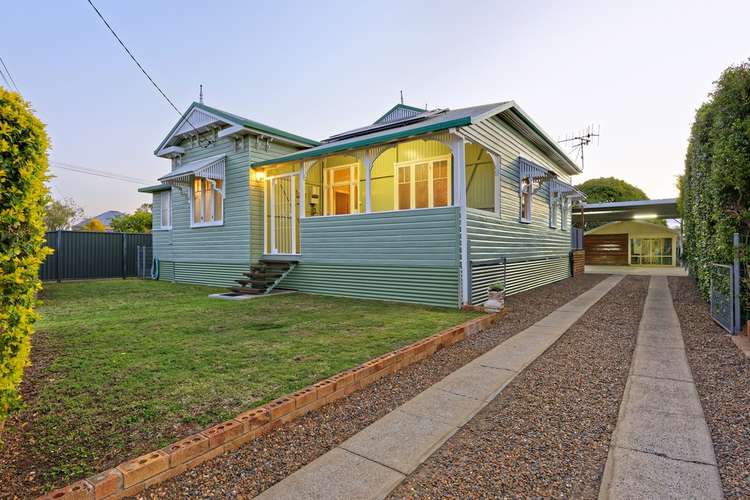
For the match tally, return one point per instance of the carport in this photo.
(625, 241)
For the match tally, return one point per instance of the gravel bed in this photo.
(548, 433)
(263, 462)
(722, 376)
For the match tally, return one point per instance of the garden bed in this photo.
(120, 368)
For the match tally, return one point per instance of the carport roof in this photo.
(628, 210)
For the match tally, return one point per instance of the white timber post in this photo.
(498, 181)
(459, 199)
(369, 155)
(302, 190)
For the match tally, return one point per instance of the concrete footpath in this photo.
(370, 464)
(661, 447)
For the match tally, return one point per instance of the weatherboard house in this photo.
(423, 206)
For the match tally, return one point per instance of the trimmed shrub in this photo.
(715, 189)
(23, 195)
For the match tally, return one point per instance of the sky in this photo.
(635, 70)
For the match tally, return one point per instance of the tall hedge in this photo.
(23, 170)
(715, 189)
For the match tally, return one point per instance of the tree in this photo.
(715, 188)
(60, 214)
(609, 189)
(94, 225)
(137, 222)
(23, 172)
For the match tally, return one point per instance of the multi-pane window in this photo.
(342, 190)
(422, 184)
(651, 251)
(207, 201)
(165, 210)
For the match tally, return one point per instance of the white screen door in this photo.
(282, 220)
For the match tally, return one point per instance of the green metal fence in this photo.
(90, 255)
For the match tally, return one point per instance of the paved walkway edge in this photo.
(661, 446)
(370, 464)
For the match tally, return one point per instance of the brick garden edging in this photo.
(133, 476)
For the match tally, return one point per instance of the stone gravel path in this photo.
(661, 447)
(374, 461)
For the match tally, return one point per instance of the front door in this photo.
(282, 220)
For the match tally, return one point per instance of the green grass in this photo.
(136, 365)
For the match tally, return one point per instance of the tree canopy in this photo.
(94, 225)
(609, 189)
(137, 222)
(60, 214)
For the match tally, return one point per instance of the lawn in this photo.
(122, 367)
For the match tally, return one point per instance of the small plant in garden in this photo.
(496, 287)
(23, 196)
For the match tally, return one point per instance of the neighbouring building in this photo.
(424, 206)
(105, 218)
(635, 243)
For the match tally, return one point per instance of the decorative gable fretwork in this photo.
(198, 119)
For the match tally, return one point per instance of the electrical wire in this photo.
(98, 173)
(207, 141)
(7, 83)
(9, 75)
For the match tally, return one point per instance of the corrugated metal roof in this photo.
(155, 188)
(237, 120)
(444, 120)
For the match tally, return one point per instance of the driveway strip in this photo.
(395, 445)
(661, 447)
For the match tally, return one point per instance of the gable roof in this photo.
(427, 122)
(659, 228)
(205, 114)
(104, 217)
(398, 112)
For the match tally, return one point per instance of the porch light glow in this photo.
(260, 175)
(645, 216)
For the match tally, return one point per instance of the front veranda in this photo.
(414, 175)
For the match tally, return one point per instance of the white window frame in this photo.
(213, 221)
(554, 207)
(526, 188)
(565, 213)
(430, 185)
(328, 185)
(160, 216)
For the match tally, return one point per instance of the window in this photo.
(165, 210)
(342, 190)
(207, 202)
(565, 213)
(526, 195)
(176, 161)
(651, 251)
(554, 203)
(422, 184)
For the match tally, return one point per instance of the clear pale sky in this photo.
(637, 69)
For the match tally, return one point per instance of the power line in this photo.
(7, 83)
(98, 173)
(207, 141)
(9, 75)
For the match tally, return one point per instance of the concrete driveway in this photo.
(637, 270)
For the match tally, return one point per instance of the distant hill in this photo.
(104, 217)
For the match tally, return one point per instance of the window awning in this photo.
(209, 168)
(565, 190)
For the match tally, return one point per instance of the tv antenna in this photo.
(582, 139)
